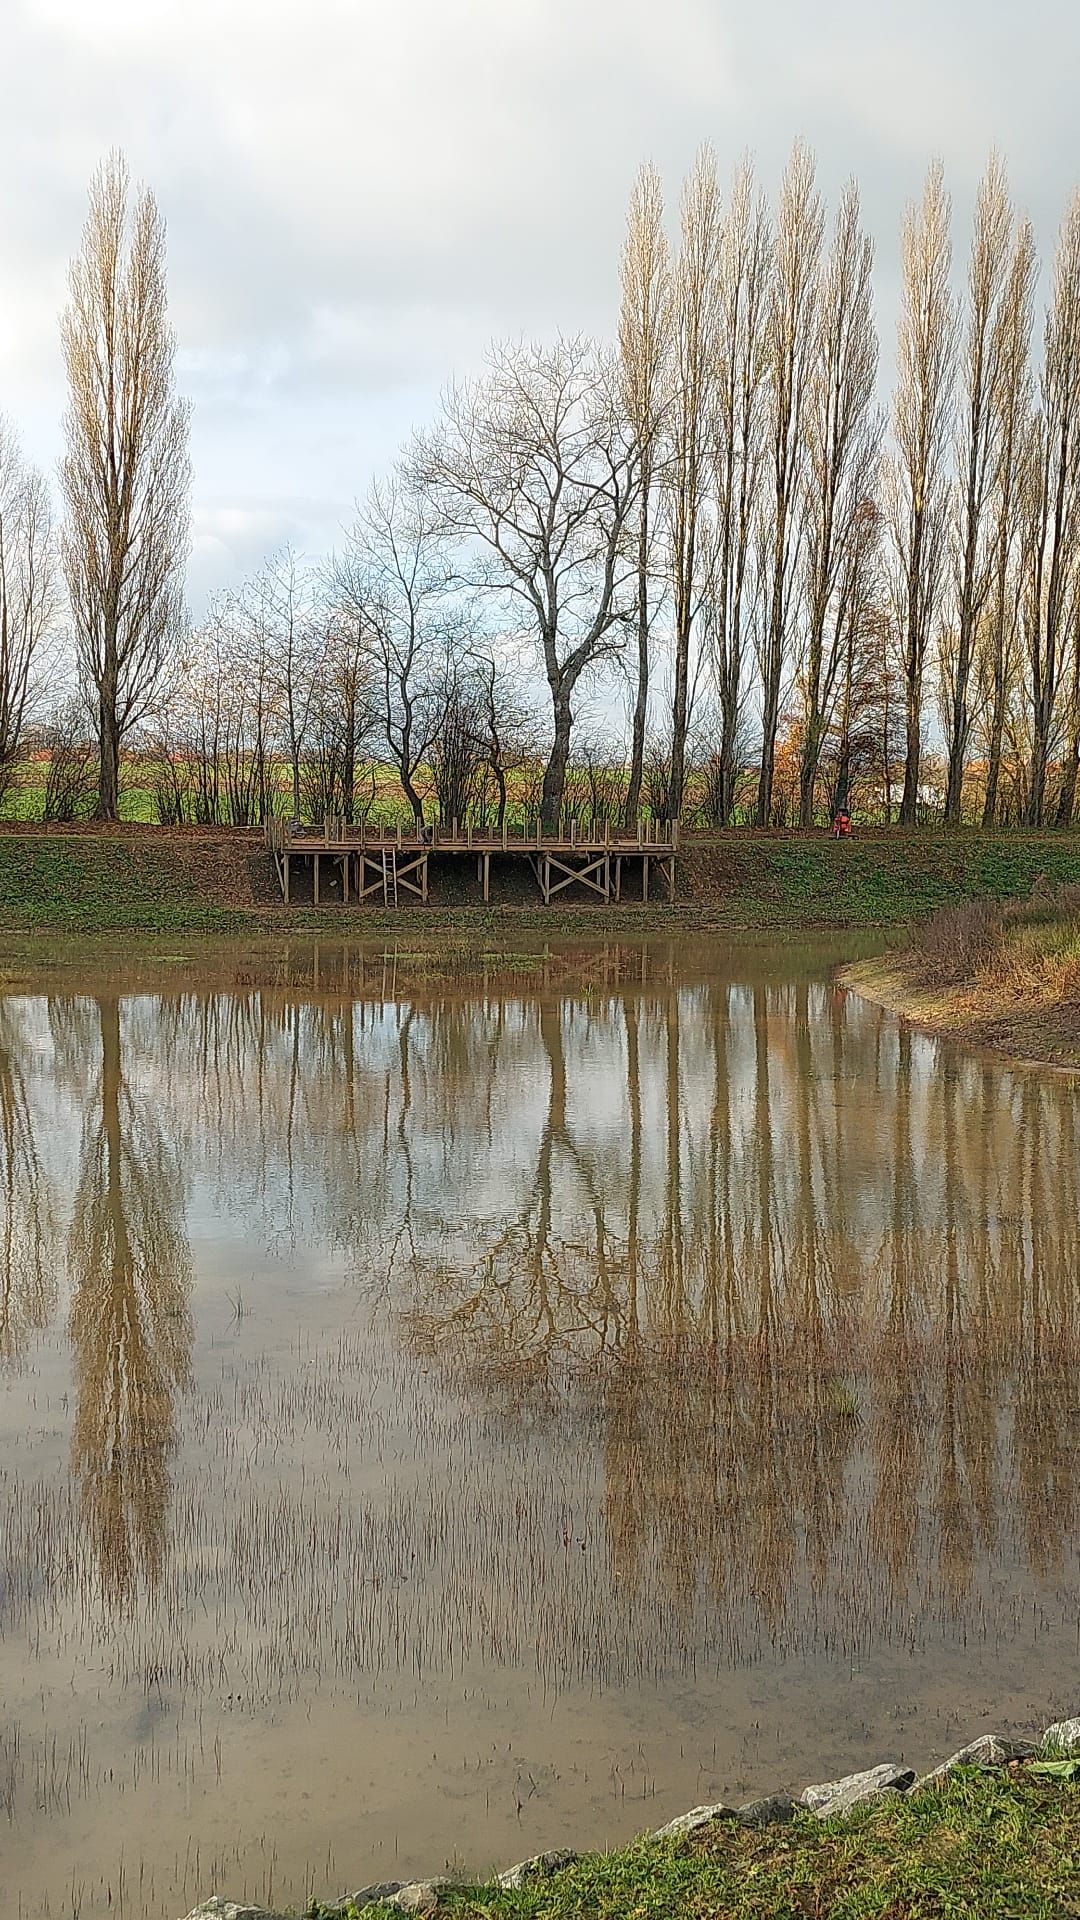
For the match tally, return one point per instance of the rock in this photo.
(769, 1811)
(420, 1896)
(990, 1750)
(218, 1909)
(1064, 1734)
(838, 1796)
(693, 1821)
(540, 1867)
(369, 1896)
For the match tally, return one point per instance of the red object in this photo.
(842, 825)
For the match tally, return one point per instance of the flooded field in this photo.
(440, 1420)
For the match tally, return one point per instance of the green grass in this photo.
(150, 881)
(986, 1846)
(88, 885)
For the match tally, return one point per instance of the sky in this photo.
(361, 194)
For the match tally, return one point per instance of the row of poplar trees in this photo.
(722, 506)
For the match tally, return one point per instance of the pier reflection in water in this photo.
(458, 1419)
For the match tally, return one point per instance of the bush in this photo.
(957, 942)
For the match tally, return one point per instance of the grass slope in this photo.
(986, 1846)
(158, 880)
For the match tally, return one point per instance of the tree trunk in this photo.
(109, 749)
(1067, 796)
(909, 800)
(551, 798)
(958, 737)
(677, 779)
(641, 702)
(808, 767)
(770, 721)
(997, 733)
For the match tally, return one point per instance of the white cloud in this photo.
(360, 193)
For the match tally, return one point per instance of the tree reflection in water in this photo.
(130, 1320)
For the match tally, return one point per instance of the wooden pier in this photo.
(389, 867)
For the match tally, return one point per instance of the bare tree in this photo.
(843, 435)
(126, 474)
(282, 600)
(1050, 602)
(344, 714)
(696, 291)
(792, 339)
(1011, 401)
(395, 581)
(28, 598)
(978, 452)
(921, 424)
(645, 354)
(739, 452)
(535, 468)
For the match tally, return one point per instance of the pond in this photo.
(450, 1414)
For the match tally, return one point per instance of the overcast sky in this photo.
(360, 193)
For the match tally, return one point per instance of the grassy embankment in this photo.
(157, 881)
(992, 974)
(986, 1846)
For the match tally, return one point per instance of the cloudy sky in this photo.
(360, 193)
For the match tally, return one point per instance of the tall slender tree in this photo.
(645, 357)
(28, 598)
(1051, 530)
(696, 300)
(844, 434)
(922, 417)
(1011, 400)
(739, 453)
(792, 340)
(125, 475)
(979, 442)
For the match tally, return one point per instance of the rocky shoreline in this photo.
(824, 1799)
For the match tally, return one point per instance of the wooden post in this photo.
(644, 879)
(315, 877)
(345, 879)
(618, 876)
(504, 833)
(286, 858)
(423, 879)
(487, 878)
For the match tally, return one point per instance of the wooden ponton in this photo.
(389, 867)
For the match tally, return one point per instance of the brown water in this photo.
(444, 1421)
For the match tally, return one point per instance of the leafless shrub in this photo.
(71, 780)
(957, 942)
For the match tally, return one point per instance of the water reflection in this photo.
(27, 1221)
(617, 1318)
(130, 1321)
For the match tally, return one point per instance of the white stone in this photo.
(990, 1750)
(540, 1867)
(693, 1821)
(839, 1796)
(218, 1909)
(420, 1896)
(1064, 1734)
